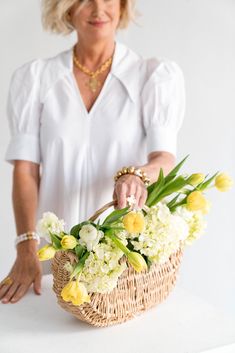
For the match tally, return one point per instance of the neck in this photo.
(95, 54)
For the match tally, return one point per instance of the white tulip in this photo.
(89, 236)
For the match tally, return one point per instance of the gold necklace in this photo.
(93, 82)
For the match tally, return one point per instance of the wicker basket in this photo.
(135, 292)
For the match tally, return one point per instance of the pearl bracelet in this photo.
(27, 236)
(134, 171)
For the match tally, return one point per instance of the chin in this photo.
(100, 35)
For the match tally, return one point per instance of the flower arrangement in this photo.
(172, 218)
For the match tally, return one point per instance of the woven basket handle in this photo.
(110, 204)
(101, 210)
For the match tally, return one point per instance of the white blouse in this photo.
(139, 110)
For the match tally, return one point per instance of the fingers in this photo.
(37, 284)
(21, 290)
(121, 195)
(143, 198)
(130, 185)
(115, 199)
(138, 194)
(3, 290)
(9, 293)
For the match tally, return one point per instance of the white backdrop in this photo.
(200, 36)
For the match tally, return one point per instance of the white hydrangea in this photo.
(90, 236)
(49, 223)
(102, 268)
(196, 223)
(162, 235)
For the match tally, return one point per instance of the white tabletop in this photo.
(184, 323)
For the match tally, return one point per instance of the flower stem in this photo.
(118, 243)
(78, 268)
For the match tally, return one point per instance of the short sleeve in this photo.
(23, 113)
(163, 106)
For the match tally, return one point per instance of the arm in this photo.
(157, 160)
(26, 181)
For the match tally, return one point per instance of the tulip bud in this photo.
(196, 179)
(46, 253)
(137, 261)
(196, 201)
(223, 182)
(68, 242)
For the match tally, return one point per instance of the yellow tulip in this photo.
(196, 201)
(196, 179)
(75, 292)
(223, 182)
(46, 253)
(137, 261)
(134, 222)
(68, 242)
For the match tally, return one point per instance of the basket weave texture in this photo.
(134, 294)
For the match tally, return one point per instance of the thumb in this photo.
(37, 284)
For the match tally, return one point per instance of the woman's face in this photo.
(95, 19)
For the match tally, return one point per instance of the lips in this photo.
(97, 23)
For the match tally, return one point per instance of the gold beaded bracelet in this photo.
(134, 171)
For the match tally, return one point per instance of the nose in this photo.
(97, 7)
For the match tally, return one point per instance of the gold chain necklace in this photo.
(93, 82)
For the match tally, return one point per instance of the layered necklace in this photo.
(93, 82)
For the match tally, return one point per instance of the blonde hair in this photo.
(55, 15)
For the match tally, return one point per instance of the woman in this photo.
(82, 115)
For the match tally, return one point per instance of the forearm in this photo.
(25, 200)
(156, 161)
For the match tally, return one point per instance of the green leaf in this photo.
(173, 186)
(148, 261)
(55, 241)
(107, 227)
(155, 184)
(174, 207)
(157, 188)
(79, 250)
(79, 266)
(175, 170)
(115, 215)
(173, 201)
(205, 184)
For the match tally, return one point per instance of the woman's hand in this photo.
(127, 185)
(26, 270)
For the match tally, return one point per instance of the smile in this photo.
(97, 23)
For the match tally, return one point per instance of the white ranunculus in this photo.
(49, 223)
(90, 236)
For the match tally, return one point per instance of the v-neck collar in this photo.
(97, 100)
(100, 95)
(123, 60)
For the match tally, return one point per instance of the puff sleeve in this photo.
(23, 113)
(163, 106)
